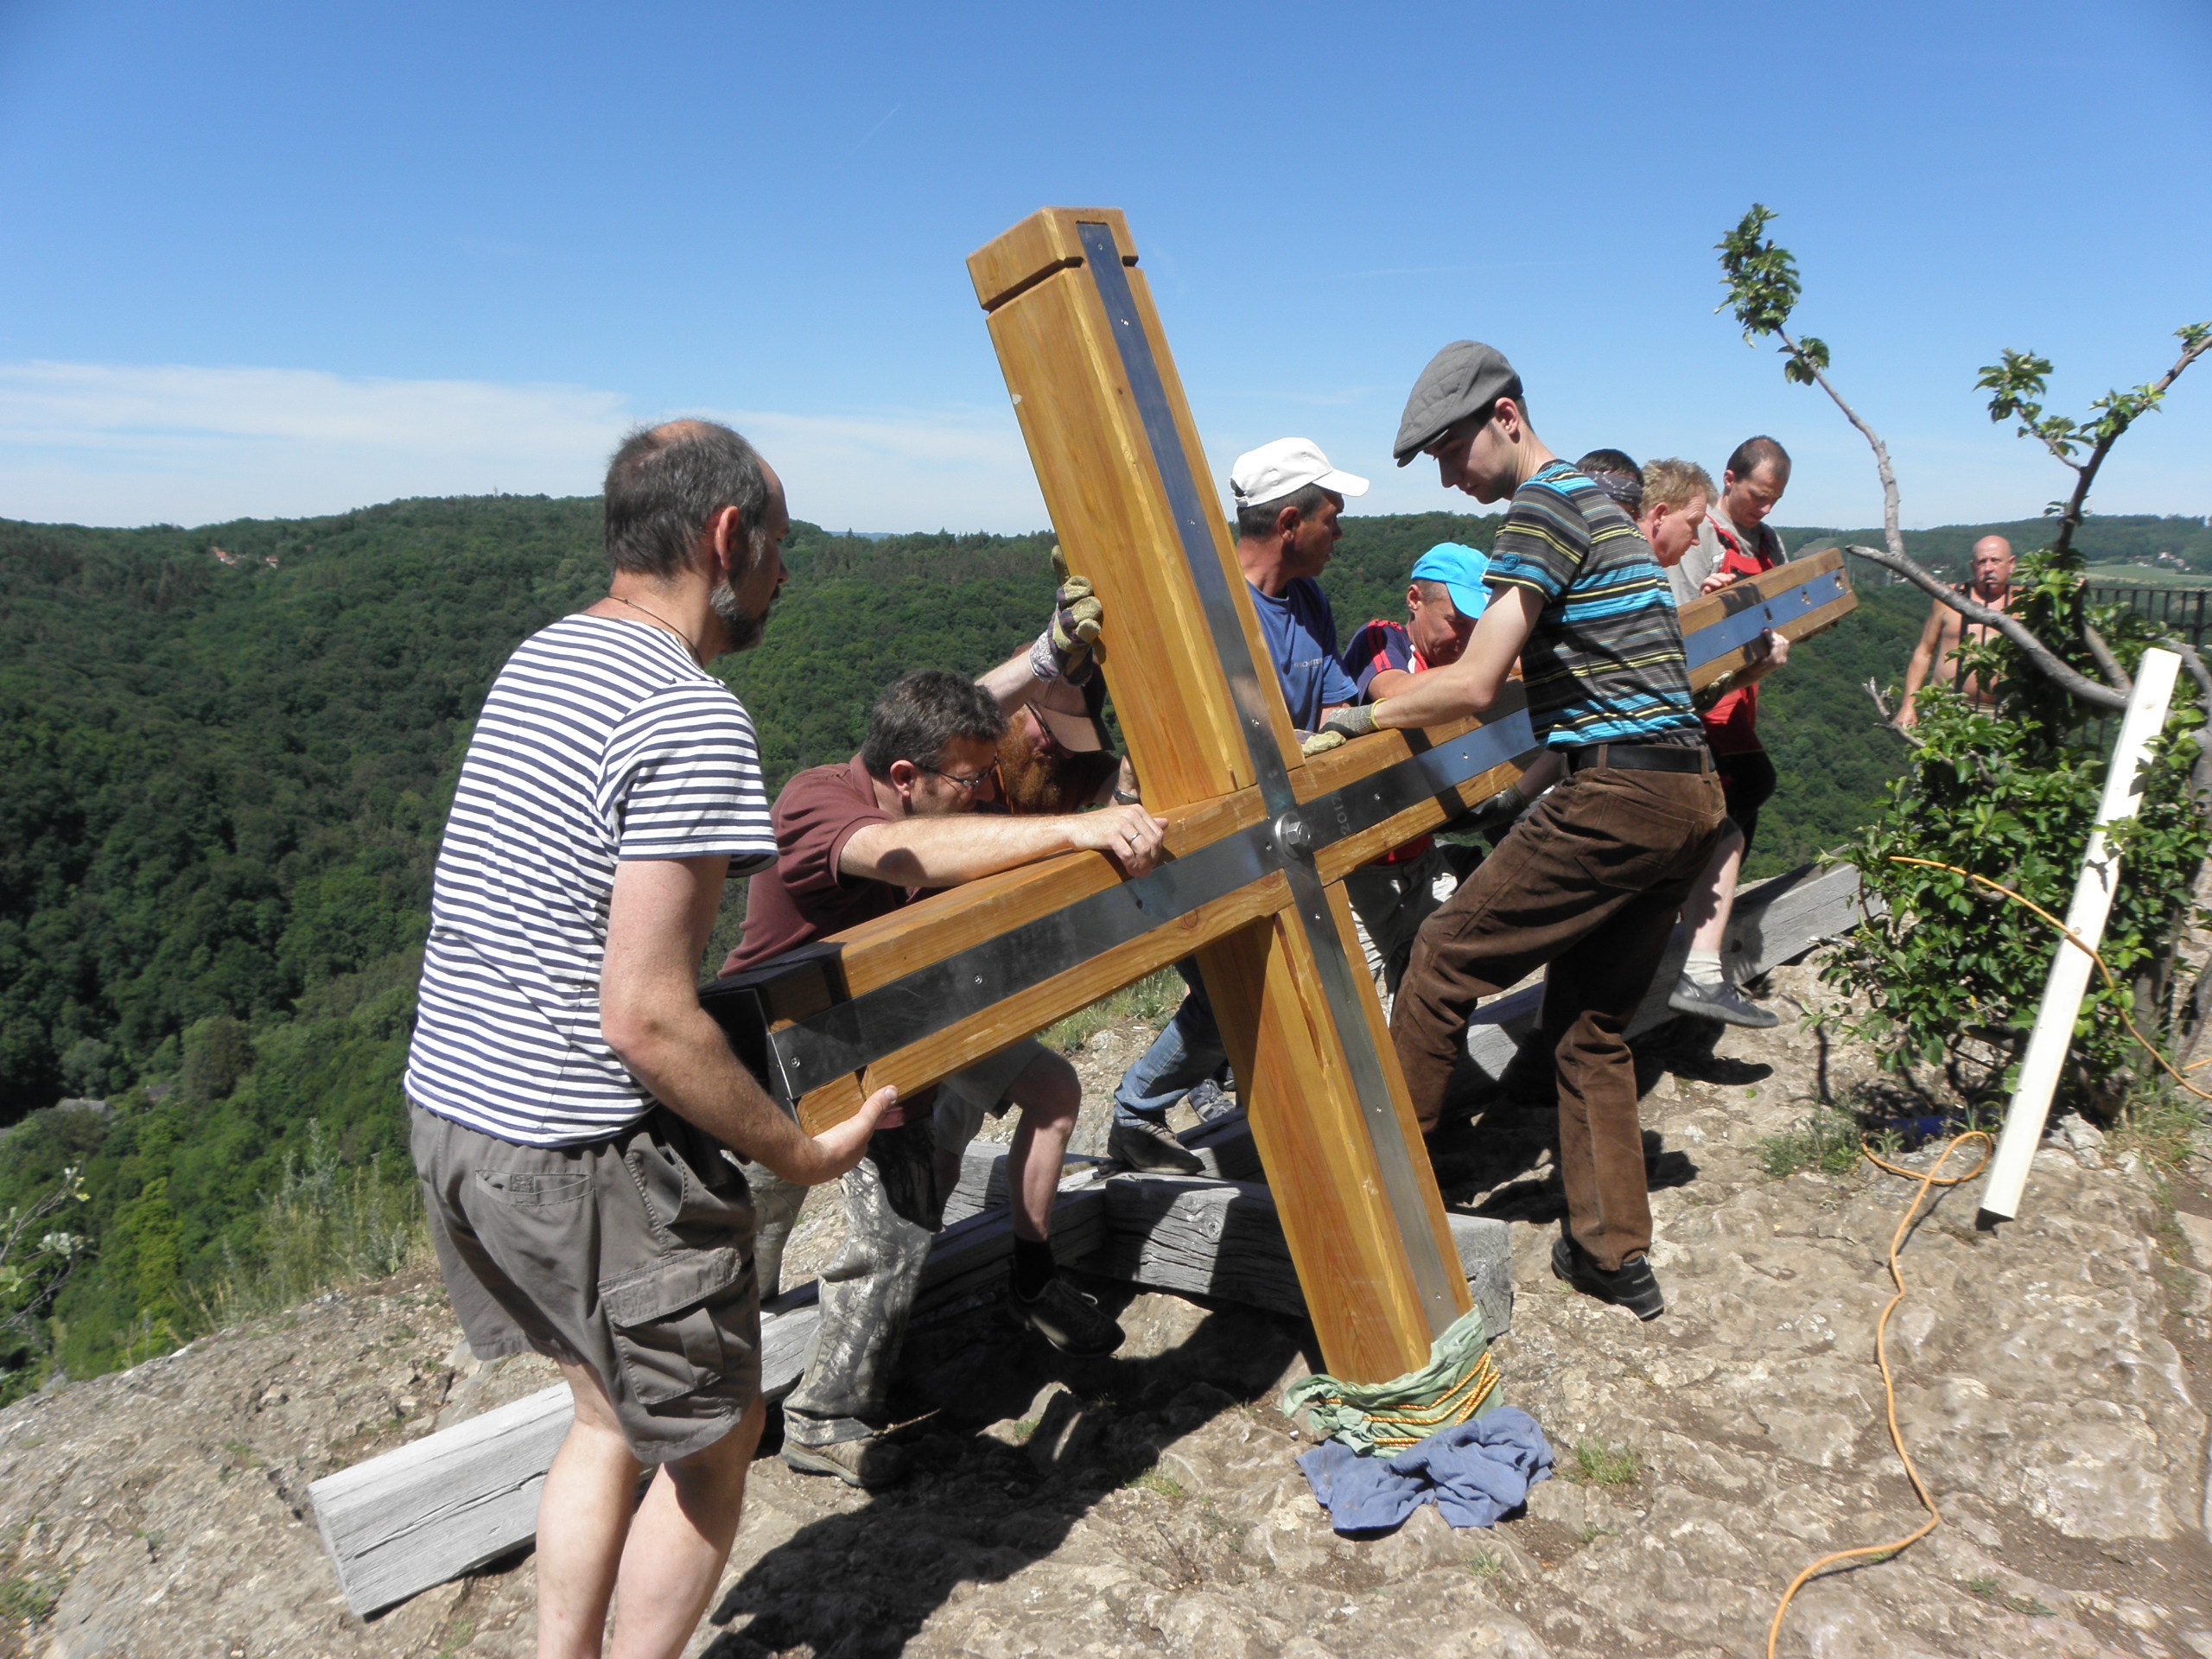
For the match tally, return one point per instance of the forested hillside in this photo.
(226, 756)
(2121, 539)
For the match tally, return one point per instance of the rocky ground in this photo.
(2054, 1376)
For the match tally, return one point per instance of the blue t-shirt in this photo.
(1301, 636)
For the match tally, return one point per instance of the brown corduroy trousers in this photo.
(1589, 884)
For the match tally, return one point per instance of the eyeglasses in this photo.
(966, 785)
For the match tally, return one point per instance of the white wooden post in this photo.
(2069, 970)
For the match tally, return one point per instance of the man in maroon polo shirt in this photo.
(860, 840)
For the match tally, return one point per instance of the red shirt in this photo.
(804, 895)
(1732, 725)
(1376, 649)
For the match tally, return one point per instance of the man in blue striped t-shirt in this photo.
(569, 1099)
(1586, 885)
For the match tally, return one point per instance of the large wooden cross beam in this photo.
(1261, 839)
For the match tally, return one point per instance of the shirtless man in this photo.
(1992, 585)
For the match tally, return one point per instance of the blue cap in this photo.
(1461, 570)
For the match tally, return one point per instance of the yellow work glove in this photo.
(1340, 728)
(1068, 648)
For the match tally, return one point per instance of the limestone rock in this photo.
(2050, 1381)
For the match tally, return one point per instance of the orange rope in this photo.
(1933, 1178)
(2081, 944)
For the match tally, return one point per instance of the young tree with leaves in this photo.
(1951, 977)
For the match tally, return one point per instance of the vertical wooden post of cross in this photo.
(1127, 487)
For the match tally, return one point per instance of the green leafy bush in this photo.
(1953, 975)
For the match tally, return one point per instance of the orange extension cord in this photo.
(1933, 1179)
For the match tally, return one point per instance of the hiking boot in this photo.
(1070, 1319)
(1210, 1100)
(868, 1464)
(1718, 1000)
(1141, 1144)
(1633, 1286)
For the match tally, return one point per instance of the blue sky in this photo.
(282, 259)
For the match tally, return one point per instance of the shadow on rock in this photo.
(1017, 1445)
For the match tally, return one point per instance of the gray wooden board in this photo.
(439, 1506)
(1201, 1237)
(1774, 922)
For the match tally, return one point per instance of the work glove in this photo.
(1496, 814)
(1068, 648)
(1339, 729)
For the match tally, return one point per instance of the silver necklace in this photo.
(662, 621)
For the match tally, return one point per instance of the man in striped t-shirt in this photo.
(1586, 885)
(569, 1099)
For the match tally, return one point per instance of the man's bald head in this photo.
(1991, 565)
(666, 485)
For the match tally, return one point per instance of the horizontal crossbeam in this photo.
(909, 998)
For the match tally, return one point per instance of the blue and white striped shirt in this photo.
(602, 742)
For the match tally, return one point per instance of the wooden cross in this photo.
(1261, 839)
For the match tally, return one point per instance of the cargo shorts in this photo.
(632, 1256)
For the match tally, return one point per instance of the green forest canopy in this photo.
(228, 755)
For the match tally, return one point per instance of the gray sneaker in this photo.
(1720, 1000)
(1070, 1319)
(868, 1464)
(1151, 1147)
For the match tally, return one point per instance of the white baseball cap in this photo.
(1283, 468)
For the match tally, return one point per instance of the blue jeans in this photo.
(1185, 1054)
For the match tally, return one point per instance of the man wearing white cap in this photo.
(1287, 501)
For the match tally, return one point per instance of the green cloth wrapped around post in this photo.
(1457, 1385)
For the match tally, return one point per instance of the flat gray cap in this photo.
(1464, 378)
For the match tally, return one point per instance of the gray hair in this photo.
(666, 483)
(1257, 523)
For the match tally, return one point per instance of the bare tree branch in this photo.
(2108, 664)
(1890, 531)
(2069, 516)
(2059, 673)
(1882, 706)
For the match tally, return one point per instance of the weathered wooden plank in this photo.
(1773, 921)
(452, 1501)
(441, 1506)
(1223, 1238)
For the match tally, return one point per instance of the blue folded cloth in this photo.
(1474, 1472)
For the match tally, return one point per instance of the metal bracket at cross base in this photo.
(1260, 837)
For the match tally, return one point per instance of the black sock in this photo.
(1034, 1268)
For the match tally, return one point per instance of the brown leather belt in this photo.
(1642, 757)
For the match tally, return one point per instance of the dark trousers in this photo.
(1747, 781)
(1588, 884)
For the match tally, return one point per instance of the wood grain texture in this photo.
(1313, 1143)
(1110, 512)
